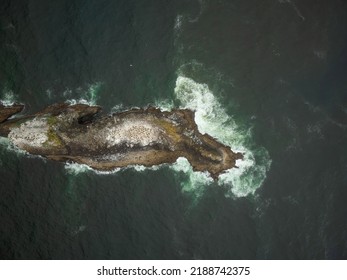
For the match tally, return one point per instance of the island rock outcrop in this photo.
(80, 133)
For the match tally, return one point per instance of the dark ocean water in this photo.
(266, 77)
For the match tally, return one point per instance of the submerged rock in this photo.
(79, 133)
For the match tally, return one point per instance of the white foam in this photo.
(8, 145)
(197, 180)
(8, 98)
(76, 168)
(117, 108)
(49, 93)
(4, 142)
(141, 168)
(89, 96)
(164, 105)
(212, 118)
(178, 22)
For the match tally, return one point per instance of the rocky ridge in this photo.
(80, 133)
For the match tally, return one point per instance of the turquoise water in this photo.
(265, 78)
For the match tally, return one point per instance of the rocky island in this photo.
(80, 133)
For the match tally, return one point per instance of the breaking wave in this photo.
(197, 180)
(7, 145)
(8, 98)
(87, 96)
(73, 168)
(211, 118)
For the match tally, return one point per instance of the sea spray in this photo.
(164, 105)
(117, 108)
(88, 96)
(73, 168)
(6, 144)
(8, 98)
(212, 118)
(197, 180)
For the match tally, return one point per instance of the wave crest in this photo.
(211, 118)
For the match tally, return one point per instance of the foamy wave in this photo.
(4, 142)
(7, 144)
(79, 101)
(141, 168)
(164, 105)
(76, 168)
(178, 22)
(8, 98)
(212, 118)
(249, 175)
(89, 96)
(117, 108)
(197, 180)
